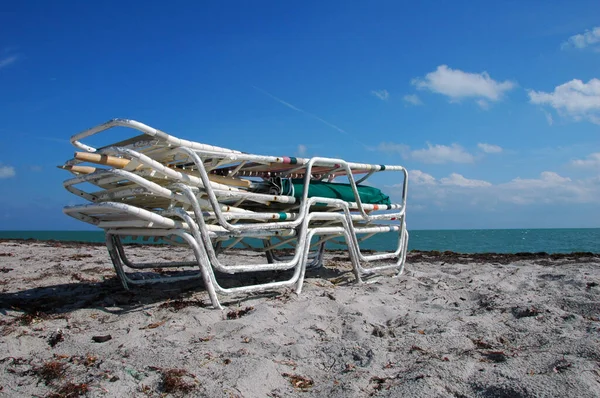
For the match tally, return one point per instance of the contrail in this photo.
(333, 126)
(62, 141)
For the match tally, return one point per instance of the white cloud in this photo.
(483, 104)
(381, 94)
(391, 147)
(4, 62)
(412, 99)
(301, 150)
(590, 161)
(489, 148)
(575, 99)
(549, 118)
(420, 178)
(439, 154)
(549, 188)
(588, 38)
(460, 181)
(548, 179)
(7, 171)
(456, 84)
(433, 154)
(456, 191)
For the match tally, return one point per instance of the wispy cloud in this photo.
(381, 94)
(489, 148)
(592, 160)
(421, 178)
(412, 99)
(574, 99)
(433, 154)
(589, 38)
(457, 190)
(391, 147)
(7, 172)
(301, 150)
(459, 180)
(483, 104)
(549, 118)
(6, 61)
(456, 84)
(440, 154)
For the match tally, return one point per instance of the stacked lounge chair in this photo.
(213, 199)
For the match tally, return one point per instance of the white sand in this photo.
(450, 327)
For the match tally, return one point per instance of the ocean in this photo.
(463, 241)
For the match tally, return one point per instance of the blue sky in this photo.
(494, 108)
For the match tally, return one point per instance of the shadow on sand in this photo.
(110, 296)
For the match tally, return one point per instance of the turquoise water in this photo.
(464, 241)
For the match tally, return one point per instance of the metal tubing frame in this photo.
(201, 237)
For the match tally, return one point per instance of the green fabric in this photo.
(336, 190)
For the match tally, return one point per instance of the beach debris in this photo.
(154, 325)
(235, 314)
(15, 361)
(561, 365)
(6, 254)
(488, 303)
(101, 339)
(328, 295)
(380, 382)
(50, 371)
(519, 312)
(590, 285)
(322, 333)
(421, 376)
(135, 374)
(286, 363)
(180, 304)
(32, 317)
(69, 390)
(349, 367)
(205, 338)
(87, 361)
(416, 348)
(5, 270)
(300, 382)
(339, 280)
(80, 278)
(284, 297)
(174, 380)
(79, 256)
(481, 344)
(55, 338)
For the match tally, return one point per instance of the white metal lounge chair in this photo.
(155, 184)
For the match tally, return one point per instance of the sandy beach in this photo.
(452, 326)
